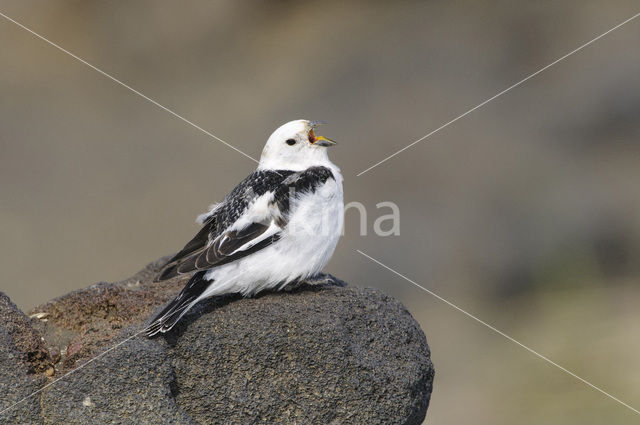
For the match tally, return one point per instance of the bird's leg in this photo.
(324, 279)
(319, 279)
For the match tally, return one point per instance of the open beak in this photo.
(320, 140)
(323, 141)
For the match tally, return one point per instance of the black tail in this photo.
(177, 308)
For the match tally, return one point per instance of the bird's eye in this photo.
(290, 142)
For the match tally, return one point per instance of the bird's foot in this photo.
(319, 279)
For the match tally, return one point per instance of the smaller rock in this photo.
(18, 343)
(30, 347)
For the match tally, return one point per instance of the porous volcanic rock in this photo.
(325, 354)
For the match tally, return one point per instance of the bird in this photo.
(275, 229)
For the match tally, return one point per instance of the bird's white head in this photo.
(295, 146)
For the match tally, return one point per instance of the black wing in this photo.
(223, 250)
(213, 245)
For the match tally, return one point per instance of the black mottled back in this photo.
(282, 182)
(298, 183)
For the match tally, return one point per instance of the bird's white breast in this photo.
(315, 224)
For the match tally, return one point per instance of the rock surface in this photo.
(323, 354)
(22, 354)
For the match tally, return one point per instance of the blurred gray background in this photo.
(525, 212)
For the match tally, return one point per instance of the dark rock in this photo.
(317, 354)
(130, 384)
(27, 343)
(328, 355)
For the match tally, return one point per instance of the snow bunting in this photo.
(279, 226)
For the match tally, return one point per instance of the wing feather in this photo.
(211, 248)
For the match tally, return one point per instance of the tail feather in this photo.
(177, 308)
